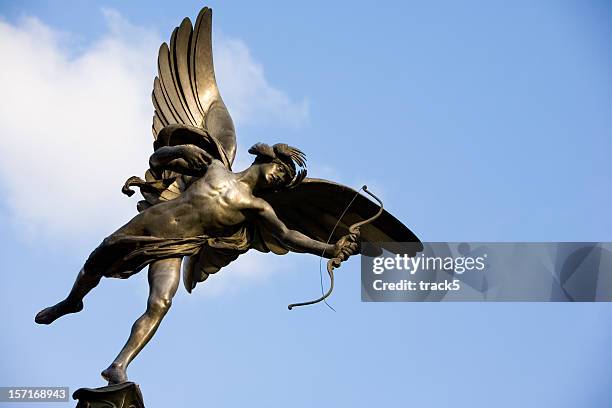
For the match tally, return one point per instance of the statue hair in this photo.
(285, 155)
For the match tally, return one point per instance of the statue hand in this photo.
(196, 158)
(346, 246)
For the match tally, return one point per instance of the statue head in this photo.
(278, 165)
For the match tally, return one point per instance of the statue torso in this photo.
(212, 205)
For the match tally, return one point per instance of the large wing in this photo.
(185, 91)
(188, 107)
(315, 205)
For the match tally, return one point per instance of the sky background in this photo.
(474, 121)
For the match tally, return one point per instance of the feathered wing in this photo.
(185, 92)
(188, 107)
(315, 206)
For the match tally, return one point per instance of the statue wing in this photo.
(188, 108)
(185, 92)
(314, 206)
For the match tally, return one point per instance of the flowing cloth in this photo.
(121, 256)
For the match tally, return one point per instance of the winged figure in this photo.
(197, 210)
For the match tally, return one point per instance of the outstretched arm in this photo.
(185, 159)
(298, 241)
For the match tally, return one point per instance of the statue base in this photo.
(124, 395)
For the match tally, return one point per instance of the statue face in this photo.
(274, 174)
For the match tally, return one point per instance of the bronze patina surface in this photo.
(125, 395)
(200, 214)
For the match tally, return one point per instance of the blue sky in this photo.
(482, 121)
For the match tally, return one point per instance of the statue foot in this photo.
(114, 374)
(48, 315)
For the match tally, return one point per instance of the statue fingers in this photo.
(346, 252)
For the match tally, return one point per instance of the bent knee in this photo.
(90, 273)
(159, 304)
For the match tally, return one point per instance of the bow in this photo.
(336, 262)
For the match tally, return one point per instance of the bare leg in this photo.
(73, 303)
(164, 276)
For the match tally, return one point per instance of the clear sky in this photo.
(474, 120)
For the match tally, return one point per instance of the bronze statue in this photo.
(196, 207)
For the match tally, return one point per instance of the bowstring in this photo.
(327, 243)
